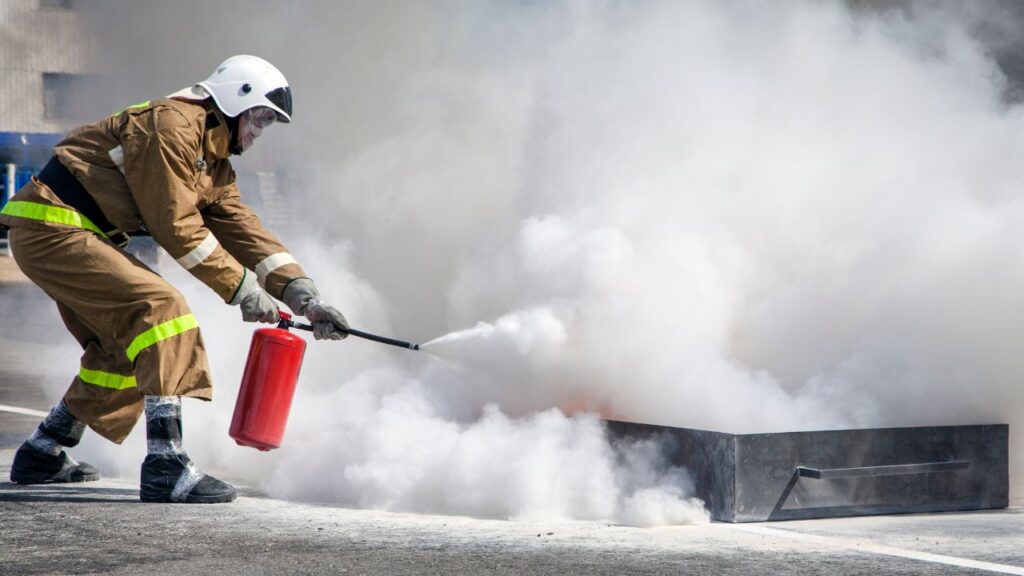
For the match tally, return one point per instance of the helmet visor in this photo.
(251, 124)
(282, 98)
(261, 116)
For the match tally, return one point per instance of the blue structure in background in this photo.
(28, 151)
(28, 140)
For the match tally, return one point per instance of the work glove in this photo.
(255, 303)
(303, 298)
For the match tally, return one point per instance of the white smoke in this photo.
(733, 216)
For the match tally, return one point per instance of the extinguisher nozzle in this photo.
(382, 339)
(286, 322)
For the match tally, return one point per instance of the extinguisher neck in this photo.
(285, 321)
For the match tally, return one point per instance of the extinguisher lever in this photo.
(293, 324)
(286, 322)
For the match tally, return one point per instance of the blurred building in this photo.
(45, 61)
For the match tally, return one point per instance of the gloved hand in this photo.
(303, 298)
(259, 307)
(256, 304)
(328, 321)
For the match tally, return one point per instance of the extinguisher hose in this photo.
(352, 332)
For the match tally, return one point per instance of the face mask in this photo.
(251, 124)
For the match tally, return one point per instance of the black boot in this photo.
(168, 475)
(34, 467)
(40, 459)
(174, 478)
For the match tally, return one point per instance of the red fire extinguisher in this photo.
(268, 382)
(268, 385)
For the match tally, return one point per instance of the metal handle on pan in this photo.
(888, 470)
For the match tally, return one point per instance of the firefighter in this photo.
(159, 168)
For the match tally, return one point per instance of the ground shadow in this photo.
(79, 492)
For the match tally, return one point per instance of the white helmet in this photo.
(243, 82)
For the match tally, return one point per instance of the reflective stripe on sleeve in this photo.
(199, 253)
(161, 331)
(48, 213)
(271, 263)
(106, 379)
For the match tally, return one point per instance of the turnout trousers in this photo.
(138, 334)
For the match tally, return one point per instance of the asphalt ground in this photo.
(103, 528)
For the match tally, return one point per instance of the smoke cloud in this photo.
(735, 216)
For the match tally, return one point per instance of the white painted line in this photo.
(25, 411)
(863, 546)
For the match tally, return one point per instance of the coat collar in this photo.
(216, 137)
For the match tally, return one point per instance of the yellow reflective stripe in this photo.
(48, 213)
(106, 379)
(161, 331)
(139, 105)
